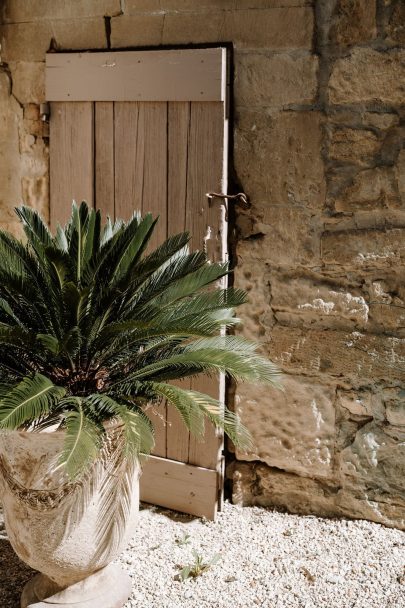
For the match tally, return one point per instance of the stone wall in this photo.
(319, 148)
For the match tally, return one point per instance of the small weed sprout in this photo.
(198, 567)
(184, 540)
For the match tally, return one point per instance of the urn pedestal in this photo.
(110, 587)
(69, 531)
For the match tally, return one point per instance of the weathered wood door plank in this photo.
(179, 486)
(72, 162)
(104, 157)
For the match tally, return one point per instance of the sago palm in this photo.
(92, 329)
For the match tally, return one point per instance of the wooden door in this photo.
(148, 131)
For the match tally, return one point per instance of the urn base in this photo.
(108, 588)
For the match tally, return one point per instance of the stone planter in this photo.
(68, 531)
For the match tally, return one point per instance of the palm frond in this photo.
(235, 356)
(115, 505)
(110, 230)
(194, 407)
(49, 342)
(136, 427)
(34, 227)
(82, 440)
(61, 263)
(37, 232)
(60, 240)
(7, 313)
(191, 415)
(92, 237)
(31, 399)
(164, 253)
(128, 247)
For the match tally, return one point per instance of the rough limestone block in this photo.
(368, 76)
(400, 175)
(362, 221)
(355, 118)
(388, 510)
(278, 157)
(364, 248)
(309, 302)
(23, 158)
(380, 120)
(276, 28)
(268, 3)
(396, 25)
(292, 236)
(395, 410)
(10, 180)
(191, 27)
(387, 309)
(30, 41)
(274, 80)
(28, 81)
(16, 11)
(361, 405)
(256, 315)
(134, 6)
(293, 429)
(353, 146)
(258, 484)
(373, 465)
(354, 357)
(368, 189)
(353, 22)
(140, 30)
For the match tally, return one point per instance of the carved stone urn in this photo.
(69, 531)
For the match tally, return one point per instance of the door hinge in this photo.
(44, 111)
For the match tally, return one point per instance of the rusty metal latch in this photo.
(240, 199)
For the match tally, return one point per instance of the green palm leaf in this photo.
(82, 441)
(92, 237)
(130, 244)
(60, 240)
(30, 400)
(229, 354)
(136, 427)
(36, 230)
(34, 226)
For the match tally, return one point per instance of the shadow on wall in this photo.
(13, 576)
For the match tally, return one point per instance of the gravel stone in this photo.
(268, 559)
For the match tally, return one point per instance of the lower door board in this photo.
(179, 486)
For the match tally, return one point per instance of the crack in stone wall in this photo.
(319, 126)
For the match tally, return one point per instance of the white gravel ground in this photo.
(268, 559)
